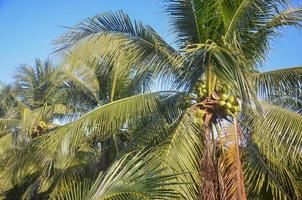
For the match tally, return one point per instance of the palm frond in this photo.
(287, 17)
(81, 83)
(121, 41)
(155, 129)
(181, 153)
(5, 143)
(229, 71)
(35, 85)
(73, 190)
(280, 126)
(256, 44)
(68, 168)
(282, 82)
(183, 20)
(273, 152)
(267, 176)
(137, 178)
(66, 140)
(246, 14)
(134, 176)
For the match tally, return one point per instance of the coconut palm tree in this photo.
(82, 91)
(88, 86)
(30, 108)
(223, 127)
(221, 45)
(33, 96)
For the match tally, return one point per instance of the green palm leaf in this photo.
(7, 124)
(268, 177)
(64, 142)
(184, 21)
(131, 43)
(282, 82)
(138, 178)
(5, 144)
(181, 153)
(273, 152)
(134, 176)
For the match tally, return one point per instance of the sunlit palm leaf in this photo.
(5, 143)
(268, 177)
(137, 178)
(85, 80)
(181, 153)
(103, 121)
(73, 190)
(282, 82)
(134, 176)
(281, 127)
(273, 152)
(116, 38)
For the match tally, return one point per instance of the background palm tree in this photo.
(199, 139)
(31, 109)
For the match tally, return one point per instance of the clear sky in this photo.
(28, 26)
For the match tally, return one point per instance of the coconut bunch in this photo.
(39, 129)
(42, 125)
(220, 101)
(227, 103)
(199, 117)
(201, 90)
(220, 98)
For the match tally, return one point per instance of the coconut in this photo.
(233, 109)
(221, 103)
(224, 97)
(198, 89)
(231, 99)
(228, 105)
(237, 109)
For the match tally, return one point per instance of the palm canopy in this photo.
(35, 85)
(202, 148)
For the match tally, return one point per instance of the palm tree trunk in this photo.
(240, 179)
(208, 166)
(210, 186)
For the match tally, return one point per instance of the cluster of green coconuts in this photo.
(199, 115)
(228, 104)
(201, 90)
(39, 129)
(42, 125)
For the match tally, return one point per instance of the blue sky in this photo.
(28, 26)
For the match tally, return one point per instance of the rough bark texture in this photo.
(208, 172)
(212, 188)
(240, 188)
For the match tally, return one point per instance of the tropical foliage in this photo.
(97, 126)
